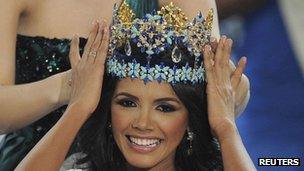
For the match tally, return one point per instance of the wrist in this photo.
(55, 92)
(225, 130)
(52, 88)
(79, 110)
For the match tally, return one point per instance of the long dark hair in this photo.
(95, 139)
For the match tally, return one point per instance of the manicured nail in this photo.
(105, 30)
(245, 59)
(212, 39)
(223, 38)
(75, 36)
(229, 42)
(207, 48)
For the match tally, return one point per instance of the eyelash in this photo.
(126, 103)
(165, 108)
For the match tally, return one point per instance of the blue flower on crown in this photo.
(161, 72)
(194, 77)
(134, 69)
(200, 74)
(121, 69)
(147, 73)
(112, 66)
(186, 73)
(174, 75)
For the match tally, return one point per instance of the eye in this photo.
(126, 103)
(165, 108)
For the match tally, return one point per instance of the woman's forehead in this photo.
(139, 88)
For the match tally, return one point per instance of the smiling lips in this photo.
(143, 145)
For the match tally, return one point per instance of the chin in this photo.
(142, 163)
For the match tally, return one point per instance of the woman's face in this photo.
(148, 122)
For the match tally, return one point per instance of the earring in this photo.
(190, 138)
(109, 125)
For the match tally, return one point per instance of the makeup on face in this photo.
(148, 122)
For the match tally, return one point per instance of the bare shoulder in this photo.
(10, 12)
(15, 5)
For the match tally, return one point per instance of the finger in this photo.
(90, 41)
(237, 74)
(103, 49)
(227, 51)
(208, 63)
(219, 52)
(94, 49)
(74, 51)
(214, 44)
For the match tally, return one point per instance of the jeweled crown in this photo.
(166, 30)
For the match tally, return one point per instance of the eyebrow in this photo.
(157, 100)
(125, 94)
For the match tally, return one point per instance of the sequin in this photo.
(38, 58)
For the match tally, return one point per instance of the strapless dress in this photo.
(36, 58)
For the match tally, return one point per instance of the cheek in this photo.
(174, 127)
(121, 119)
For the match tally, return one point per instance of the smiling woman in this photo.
(151, 124)
(156, 98)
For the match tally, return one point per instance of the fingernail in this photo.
(212, 39)
(100, 22)
(229, 42)
(204, 48)
(106, 29)
(245, 59)
(207, 48)
(75, 36)
(223, 38)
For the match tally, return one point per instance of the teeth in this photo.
(145, 142)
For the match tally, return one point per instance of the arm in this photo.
(221, 105)
(87, 78)
(21, 105)
(51, 150)
(234, 153)
(191, 9)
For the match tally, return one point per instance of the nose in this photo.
(142, 121)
